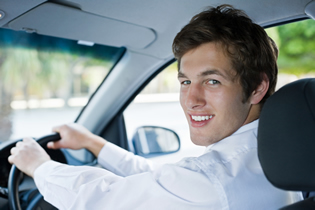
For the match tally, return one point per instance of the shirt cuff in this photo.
(110, 155)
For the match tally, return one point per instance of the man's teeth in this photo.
(201, 118)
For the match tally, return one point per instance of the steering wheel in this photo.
(15, 173)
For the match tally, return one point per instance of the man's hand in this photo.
(27, 155)
(75, 136)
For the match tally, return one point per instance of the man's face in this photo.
(210, 95)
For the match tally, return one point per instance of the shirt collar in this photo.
(242, 129)
(247, 127)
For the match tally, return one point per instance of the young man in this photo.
(227, 69)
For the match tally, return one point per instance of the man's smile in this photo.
(201, 118)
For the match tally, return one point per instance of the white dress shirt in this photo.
(227, 176)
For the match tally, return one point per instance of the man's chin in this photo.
(200, 140)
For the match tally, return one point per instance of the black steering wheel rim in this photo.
(15, 173)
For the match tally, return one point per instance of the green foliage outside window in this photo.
(296, 42)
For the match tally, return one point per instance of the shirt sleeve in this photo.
(85, 187)
(123, 162)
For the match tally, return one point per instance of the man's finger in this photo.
(10, 159)
(51, 145)
(54, 145)
(18, 144)
(13, 150)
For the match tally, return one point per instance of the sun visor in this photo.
(310, 10)
(11, 9)
(79, 25)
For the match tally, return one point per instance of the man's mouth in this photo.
(201, 118)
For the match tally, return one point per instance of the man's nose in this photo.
(195, 97)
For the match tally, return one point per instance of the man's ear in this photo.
(261, 90)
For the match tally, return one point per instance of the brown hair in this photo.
(251, 51)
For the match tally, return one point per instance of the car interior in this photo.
(137, 36)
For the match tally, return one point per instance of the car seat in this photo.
(286, 140)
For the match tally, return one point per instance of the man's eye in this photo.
(186, 82)
(213, 82)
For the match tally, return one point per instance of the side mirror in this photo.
(153, 140)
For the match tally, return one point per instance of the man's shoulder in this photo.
(237, 146)
(230, 154)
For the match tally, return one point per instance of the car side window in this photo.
(296, 50)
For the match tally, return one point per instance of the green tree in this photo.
(297, 46)
(5, 108)
(53, 72)
(19, 66)
(20, 70)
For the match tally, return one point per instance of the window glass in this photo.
(296, 42)
(158, 104)
(45, 81)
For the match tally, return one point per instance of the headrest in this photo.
(286, 137)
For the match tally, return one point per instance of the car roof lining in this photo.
(133, 12)
(126, 23)
(310, 10)
(13, 9)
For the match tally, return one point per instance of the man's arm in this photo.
(110, 156)
(28, 155)
(122, 162)
(85, 187)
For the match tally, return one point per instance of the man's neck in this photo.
(253, 114)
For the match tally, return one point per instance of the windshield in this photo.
(45, 81)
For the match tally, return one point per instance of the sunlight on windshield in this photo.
(45, 81)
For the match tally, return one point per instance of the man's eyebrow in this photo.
(181, 75)
(206, 73)
(214, 71)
